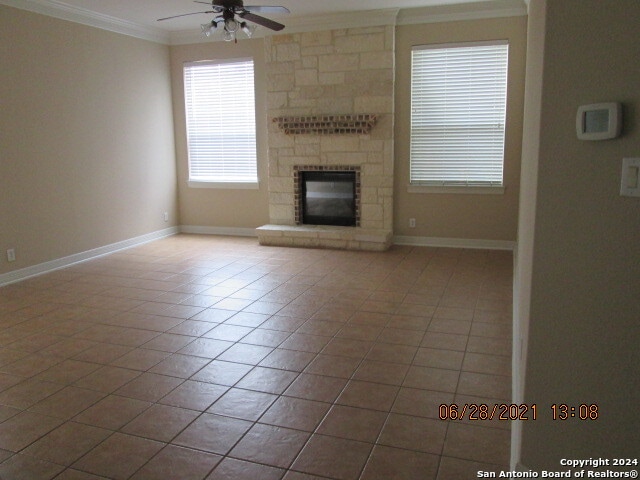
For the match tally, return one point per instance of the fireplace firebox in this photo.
(328, 197)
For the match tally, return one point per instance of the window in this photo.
(458, 104)
(221, 125)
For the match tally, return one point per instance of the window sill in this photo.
(224, 185)
(472, 190)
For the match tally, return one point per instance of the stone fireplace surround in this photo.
(347, 72)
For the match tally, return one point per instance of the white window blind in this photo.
(458, 104)
(221, 127)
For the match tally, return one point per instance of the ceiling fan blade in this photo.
(266, 9)
(184, 15)
(265, 22)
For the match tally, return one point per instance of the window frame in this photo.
(451, 185)
(213, 182)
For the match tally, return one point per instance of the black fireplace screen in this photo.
(329, 198)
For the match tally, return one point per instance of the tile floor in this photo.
(198, 357)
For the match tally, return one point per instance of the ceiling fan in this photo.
(226, 11)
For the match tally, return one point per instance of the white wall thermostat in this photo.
(599, 121)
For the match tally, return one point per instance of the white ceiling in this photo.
(139, 17)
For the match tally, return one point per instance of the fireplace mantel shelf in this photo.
(360, 124)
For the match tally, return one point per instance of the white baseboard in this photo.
(397, 239)
(228, 231)
(454, 243)
(46, 267)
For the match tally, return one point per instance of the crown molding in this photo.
(62, 11)
(463, 11)
(435, 14)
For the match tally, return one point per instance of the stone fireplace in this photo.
(330, 99)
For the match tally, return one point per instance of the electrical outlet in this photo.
(412, 223)
(166, 216)
(11, 255)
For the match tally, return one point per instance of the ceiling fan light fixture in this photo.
(248, 29)
(228, 36)
(208, 28)
(231, 25)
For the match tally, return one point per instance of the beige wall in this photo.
(584, 318)
(86, 139)
(218, 207)
(464, 216)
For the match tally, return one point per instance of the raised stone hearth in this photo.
(322, 236)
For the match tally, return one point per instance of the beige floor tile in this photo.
(230, 468)
(213, 433)
(30, 365)
(73, 474)
(267, 380)
(67, 402)
(353, 423)
(140, 359)
(296, 413)
(160, 422)
(429, 378)
(398, 464)
(489, 364)
(222, 373)
(149, 387)
(381, 372)
(243, 404)
(23, 467)
(386, 352)
(67, 443)
(270, 445)
(181, 366)
(107, 379)
(119, 456)
(287, 360)
(230, 333)
(436, 358)
(456, 468)
(333, 457)
(103, 353)
(25, 428)
(206, 347)
(373, 396)
(346, 347)
(333, 366)
(484, 385)
(478, 443)
(412, 433)
(194, 327)
(243, 353)
(112, 412)
(27, 393)
(316, 387)
(445, 341)
(421, 403)
(178, 462)
(194, 395)
(305, 342)
(247, 319)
